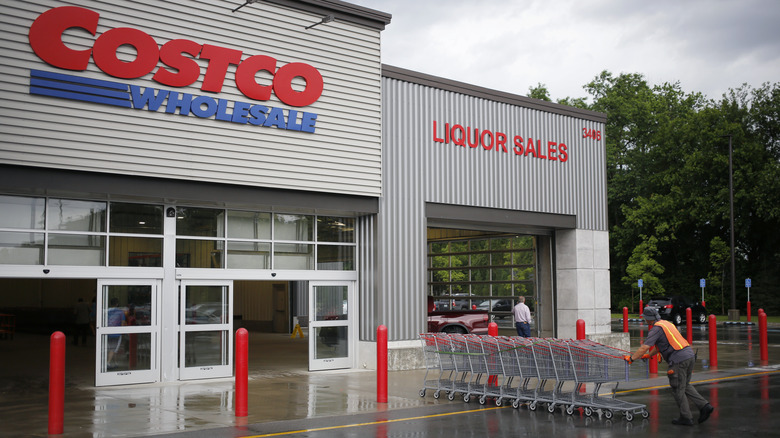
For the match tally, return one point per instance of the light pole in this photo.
(733, 311)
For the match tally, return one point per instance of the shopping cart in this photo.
(485, 364)
(599, 364)
(517, 361)
(434, 363)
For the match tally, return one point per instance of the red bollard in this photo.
(641, 309)
(56, 383)
(689, 325)
(625, 320)
(580, 329)
(381, 364)
(713, 331)
(492, 331)
(748, 311)
(653, 365)
(242, 373)
(762, 337)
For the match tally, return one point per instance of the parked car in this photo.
(500, 307)
(457, 321)
(204, 313)
(673, 309)
(443, 304)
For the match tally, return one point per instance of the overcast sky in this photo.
(708, 46)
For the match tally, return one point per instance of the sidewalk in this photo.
(278, 391)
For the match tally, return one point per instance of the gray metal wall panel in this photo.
(342, 156)
(419, 170)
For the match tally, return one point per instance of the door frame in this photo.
(127, 377)
(350, 323)
(205, 371)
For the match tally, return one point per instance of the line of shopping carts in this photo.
(532, 371)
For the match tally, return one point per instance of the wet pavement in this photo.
(284, 398)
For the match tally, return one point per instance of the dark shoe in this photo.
(683, 421)
(704, 413)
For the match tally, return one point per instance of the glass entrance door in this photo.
(331, 336)
(127, 324)
(205, 329)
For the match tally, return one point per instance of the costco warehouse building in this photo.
(209, 168)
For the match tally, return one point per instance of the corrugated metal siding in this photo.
(342, 156)
(367, 282)
(419, 170)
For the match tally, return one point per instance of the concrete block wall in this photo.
(582, 277)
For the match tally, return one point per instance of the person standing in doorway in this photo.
(81, 310)
(522, 317)
(667, 340)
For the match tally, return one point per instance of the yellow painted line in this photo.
(345, 426)
(649, 388)
(423, 417)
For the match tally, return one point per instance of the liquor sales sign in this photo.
(173, 65)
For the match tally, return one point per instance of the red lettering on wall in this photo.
(104, 53)
(518, 145)
(563, 153)
(498, 141)
(501, 141)
(45, 36)
(171, 54)
(551, 151)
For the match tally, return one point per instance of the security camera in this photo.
(273, 274)
(46, 271)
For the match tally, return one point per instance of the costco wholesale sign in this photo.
(178, 69)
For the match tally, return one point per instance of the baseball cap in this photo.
(651, 314)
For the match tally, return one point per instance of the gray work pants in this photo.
(684, 394)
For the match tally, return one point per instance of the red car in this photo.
(457, 321)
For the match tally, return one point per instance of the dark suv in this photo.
(673, 309)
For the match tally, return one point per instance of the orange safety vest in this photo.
(676, 340)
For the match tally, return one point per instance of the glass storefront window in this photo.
(22, 212)
(206, 348)
(249, 225)
(293, 227)
(293, 256)
(135, 251)
(136, 218)
(77, 250)
(335, 258)
(248, 255)
(191, 253)
(485, 266)
(335, 229)
(206, 305)
(21, 248)
(202, 222)
(71, 215)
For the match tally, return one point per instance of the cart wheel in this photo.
(436, 394)
(466, 398)
(482, 400)
(607, 414)
(451, 396)
(588, 411)
(499, 402)
(532, 406)
(422, 393)
(570, 409)
(645, 413)
(551, 408)
(516, 404)
(629, 416)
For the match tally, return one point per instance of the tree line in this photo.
(668, 189)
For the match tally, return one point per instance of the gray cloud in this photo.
(708, 46)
